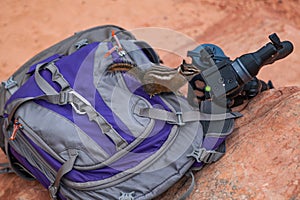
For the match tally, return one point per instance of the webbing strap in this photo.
(64, 169)
(181, 118)
(56, 77)
(191, 187)
(42, 83)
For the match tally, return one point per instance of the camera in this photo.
(226, 79)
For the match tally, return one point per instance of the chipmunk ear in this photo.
(183, 61)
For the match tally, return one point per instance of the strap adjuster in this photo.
(81, 43)
(63, 98)
(53, 191)
(203, 155)
(179, 120)
(127, 196)
(78, 101)
(10, 83)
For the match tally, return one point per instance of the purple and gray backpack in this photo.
(84, 133)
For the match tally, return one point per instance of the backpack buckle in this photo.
(81, 43)
(202, 155)
(52, 192)
(10, 83)
(77, 103)
(127, 196)
(179, 120)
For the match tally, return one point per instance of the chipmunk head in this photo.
(188, 70)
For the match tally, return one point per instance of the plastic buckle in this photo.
(10, 83)
(81, 43)
(202, 155)
(122, 53)
(179, 119)
(127, 196)
(53, 191)
(82, 100)
(63, 98)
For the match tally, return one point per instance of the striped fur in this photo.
(159, 78)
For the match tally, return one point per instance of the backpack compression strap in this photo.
(180, 118)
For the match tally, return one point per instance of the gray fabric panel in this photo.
(57, 135)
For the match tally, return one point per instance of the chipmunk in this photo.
(159, 79)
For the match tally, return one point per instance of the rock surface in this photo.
(262, 159)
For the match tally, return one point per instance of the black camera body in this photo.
(224, 78)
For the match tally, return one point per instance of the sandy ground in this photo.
(27, 27)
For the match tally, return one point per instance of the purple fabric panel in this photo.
(28, 89)
(156, 138)
(31, 89)
(83, 83)
(84, 80)
(212, 143)
(69, 65)
(47, 60)
(197, 165)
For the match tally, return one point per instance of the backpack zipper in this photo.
(16, 127)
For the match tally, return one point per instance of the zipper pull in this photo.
(17, 126)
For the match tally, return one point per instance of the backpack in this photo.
(84, 133)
